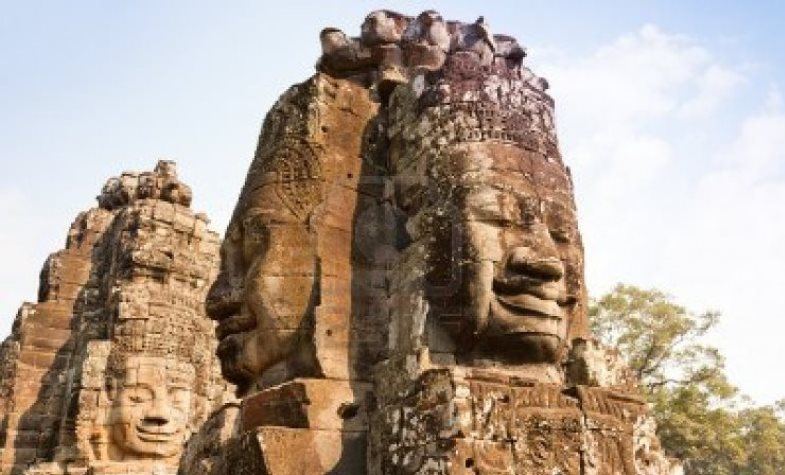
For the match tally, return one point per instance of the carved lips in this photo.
(526, 304)
(238, 323)
(162, 434)
(526, 326)
(528, 297)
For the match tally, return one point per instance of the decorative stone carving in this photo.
(119, 338)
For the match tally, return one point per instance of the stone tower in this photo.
(113, 368)
(401, 286)
(401, 291)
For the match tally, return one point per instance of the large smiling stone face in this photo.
(511, 253)
(150, 407)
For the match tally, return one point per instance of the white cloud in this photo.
(714, 84)
(665, 200)
(730, 251)
(646, 74)
(759, 151)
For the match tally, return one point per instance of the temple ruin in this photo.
(401, 291)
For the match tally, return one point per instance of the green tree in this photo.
(701, 418)
(660, 340)
(763, 435)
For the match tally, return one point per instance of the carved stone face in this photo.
(520, 259)
(264, 296)
(150, 407)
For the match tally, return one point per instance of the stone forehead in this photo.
(156, 368)
(514, 188)
(501, 165)
(145, 361)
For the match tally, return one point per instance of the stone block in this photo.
(318, 404)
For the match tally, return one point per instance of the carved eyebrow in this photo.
(491, 211)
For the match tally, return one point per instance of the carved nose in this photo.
(524, 260)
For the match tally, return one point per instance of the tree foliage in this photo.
(701, 418)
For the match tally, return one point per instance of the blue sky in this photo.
(670, 113)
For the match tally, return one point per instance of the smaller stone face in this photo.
(114, 367)
(151, 406)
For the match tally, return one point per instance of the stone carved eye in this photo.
(255, 234)
(138, 395)
(178, 396)
(560, 235)
(559, 223)
(531, 210)
(254, 227)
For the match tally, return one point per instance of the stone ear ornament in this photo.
(299, 177)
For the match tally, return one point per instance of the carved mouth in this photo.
(527, 305)
(156, 435)
(228, 346)
(513, 316)
(524, 284)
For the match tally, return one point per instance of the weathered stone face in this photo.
(294, 285)
(300, 300)
(515, 245)
(151, 407)
(491, 205)
(264, 297)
